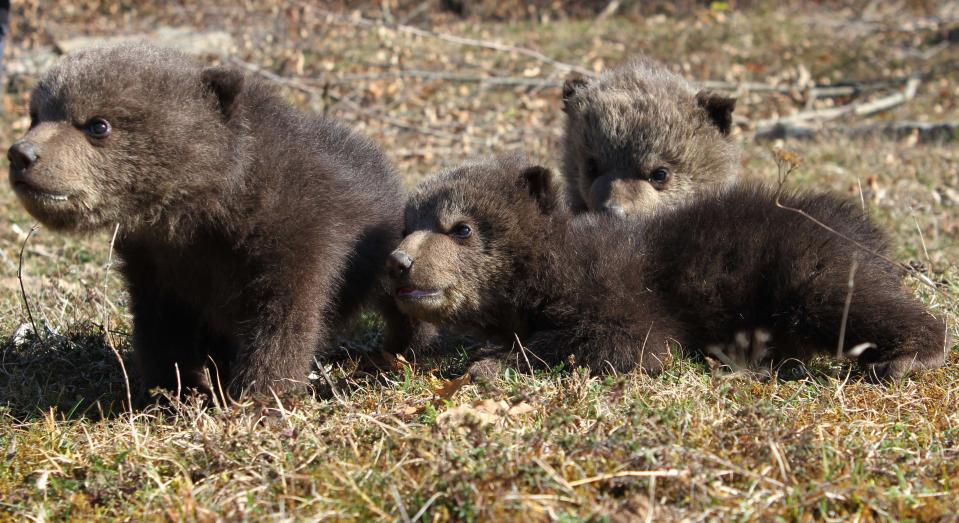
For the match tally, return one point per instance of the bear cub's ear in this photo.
(574, 82)
(225, 83)
(542, 186)
(719, 108)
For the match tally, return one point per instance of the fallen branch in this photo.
(360, 21)
(838, 89)
(508, 81)
(855, 109)
(882, 104)
(924, 132)
(818, 91)
(815, 91)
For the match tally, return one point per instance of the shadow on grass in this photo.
(76, 375)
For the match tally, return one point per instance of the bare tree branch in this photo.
(360, 21)
(922, 131)
(855, 109)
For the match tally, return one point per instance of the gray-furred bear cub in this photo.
(247, 230)
(639, 139)
(491, 247)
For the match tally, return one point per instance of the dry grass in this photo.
(692, 444)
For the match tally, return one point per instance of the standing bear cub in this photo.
(491, 247)
(247, 230)
(640, 138)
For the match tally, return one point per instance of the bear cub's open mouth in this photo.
(34, 193)
(414, 293)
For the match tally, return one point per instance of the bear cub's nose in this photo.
(399, 263)
(22, 155)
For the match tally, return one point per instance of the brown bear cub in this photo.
(491, 247)
(247, 230)
(640, 138)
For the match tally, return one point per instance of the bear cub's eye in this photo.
(461, 231)
(98, 128)
(659, 176)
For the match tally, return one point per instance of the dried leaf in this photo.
(451, 386)
(412, 410)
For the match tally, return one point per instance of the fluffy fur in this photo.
(640, 138)
(491, 248)
(247, 230)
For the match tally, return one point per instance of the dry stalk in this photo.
(109, 338)
(847, 305)
(23, 290)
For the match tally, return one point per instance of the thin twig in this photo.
(302, 86)
(105, 316)
(109, 338)
(922, 240)
(23, 290)
(784, 174)
(522, 351)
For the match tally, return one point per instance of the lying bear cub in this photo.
(247, 230)
(490, 246)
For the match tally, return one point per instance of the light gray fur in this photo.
(636, 118)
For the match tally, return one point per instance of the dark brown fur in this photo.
(727, 268)
(248, 230)
(633, 121)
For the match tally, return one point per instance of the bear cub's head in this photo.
(468, 231)
(640, 139)
(119, 134)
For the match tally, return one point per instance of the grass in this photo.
(695, 443)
